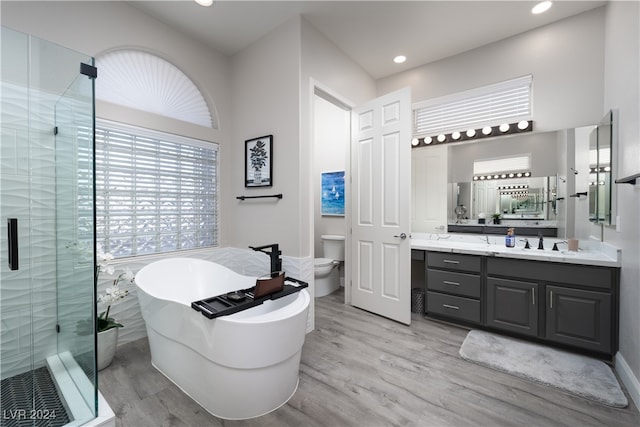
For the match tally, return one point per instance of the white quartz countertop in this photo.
(590, 252)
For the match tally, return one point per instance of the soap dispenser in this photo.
(510, 239)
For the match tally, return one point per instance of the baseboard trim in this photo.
(627, 377)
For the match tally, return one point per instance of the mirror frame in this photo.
(601, 188)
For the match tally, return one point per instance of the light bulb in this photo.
(523, 124)
(504, 127)
(471, 133)
(428, 140)
(441, 137)
(415, 142)
(486, 130)
(541, 7)
(455, 135)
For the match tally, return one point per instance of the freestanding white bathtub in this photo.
(239, 366)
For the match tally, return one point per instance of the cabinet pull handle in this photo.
(451, 306)
(533, 296)
(450, 261)
(551, 299)
(446, 282)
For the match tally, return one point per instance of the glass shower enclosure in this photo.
(47, 276)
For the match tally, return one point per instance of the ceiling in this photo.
(370, 32)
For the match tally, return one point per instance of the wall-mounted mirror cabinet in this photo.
(600, 171)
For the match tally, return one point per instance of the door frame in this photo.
(318, 89)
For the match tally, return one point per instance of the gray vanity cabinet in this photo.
(575, 305)
(454, 286)
(567, 304)
(578, 317)
(512, 305)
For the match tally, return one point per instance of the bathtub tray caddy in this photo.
(233, 302)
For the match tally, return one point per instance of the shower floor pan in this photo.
(34, 389)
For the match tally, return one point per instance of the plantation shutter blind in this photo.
(155, 192)
(504, 102)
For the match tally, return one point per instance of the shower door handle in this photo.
(12, 234)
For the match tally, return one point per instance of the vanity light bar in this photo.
(516, 194)
(502, 175)
(513, 187)
(473, 134)
(601, 169)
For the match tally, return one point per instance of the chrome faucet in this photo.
(274, 255)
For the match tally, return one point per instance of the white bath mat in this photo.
(579, 375)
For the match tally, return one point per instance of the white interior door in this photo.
(380, 274)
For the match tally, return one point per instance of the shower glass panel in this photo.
(47, 283)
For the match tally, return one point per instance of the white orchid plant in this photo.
(113, 294)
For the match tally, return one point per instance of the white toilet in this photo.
(326, 273)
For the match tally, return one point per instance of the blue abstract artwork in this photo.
(333, 193)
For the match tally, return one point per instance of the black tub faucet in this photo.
(540, 245)
(274, 255)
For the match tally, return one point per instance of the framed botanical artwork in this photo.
(258, 162)
(332, 193)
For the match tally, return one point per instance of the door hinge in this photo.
(55, 130)
(57, 328)
(88, 70)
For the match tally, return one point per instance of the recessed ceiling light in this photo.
(399, 59)
(204, 2)
(541, 7)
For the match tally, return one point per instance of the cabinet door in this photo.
(512, 306)
(578, 317)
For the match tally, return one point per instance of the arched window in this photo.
(147, 82)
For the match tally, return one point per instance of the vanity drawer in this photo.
(451, 306)
(456, 262)
(454, 283)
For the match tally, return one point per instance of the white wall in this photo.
(622, 92)
(326, 67)
(565, 58)
(266, 101)
(332, 131)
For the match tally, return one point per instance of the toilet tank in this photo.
(333, 246)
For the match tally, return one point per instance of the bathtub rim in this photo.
(299, 303)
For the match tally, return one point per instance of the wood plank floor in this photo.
(359, 369)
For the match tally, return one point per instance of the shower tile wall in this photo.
(27, 181)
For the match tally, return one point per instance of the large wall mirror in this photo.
(532, 198)
(600, 171)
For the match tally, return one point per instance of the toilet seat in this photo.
(322, 262)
